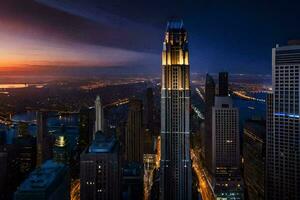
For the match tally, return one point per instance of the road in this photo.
(75, 190)
(203, 185)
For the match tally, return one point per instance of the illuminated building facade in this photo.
(175, 166)
(61, 151)
(99, 115)
(283, 125)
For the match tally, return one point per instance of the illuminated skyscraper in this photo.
(61, 151)
(176, 176)
(283, 125)
(99, 115)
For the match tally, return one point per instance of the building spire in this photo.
(99, 125)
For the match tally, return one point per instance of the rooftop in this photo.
(43, 177)
(102, 144)
(175, 24)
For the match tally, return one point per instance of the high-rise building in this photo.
(175, 164)
(61, 148)
(44, 140)
(86, 126)
(100, 169)
(134, 133)
(210, 93)
(226, 175)
(99, 123)
(223, 84)
(283, 125)
(49, 181)
(254, 152)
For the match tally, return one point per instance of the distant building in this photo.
(210, 93)
(44, 140)
(149, 110)
(49, 181)
(175, 162)
(134, 133)
(100, 169)
(254, 152)
(61, 148)
(99, 123)
(283, 125)
(86, 126)
(223, 84)
(132, 181)
(226, 180)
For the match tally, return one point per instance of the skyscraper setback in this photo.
(176, 176)
(283, 125)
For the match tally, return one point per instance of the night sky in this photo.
(223, 35)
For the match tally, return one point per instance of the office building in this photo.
(175, 165)
(100, 169)
(283, 125)
(226, 177)
(134, 133)
(99, 123)
(49, 181)
(254, 152)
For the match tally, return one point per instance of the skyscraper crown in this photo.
(175, 24)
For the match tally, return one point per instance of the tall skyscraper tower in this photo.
(223, 84)
(283, 125)
(175, 166)
(134, 133)
(99, 115)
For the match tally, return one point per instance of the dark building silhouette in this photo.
(223, 84)
(134, 133)
(86, 126)
(100, 169)
(254, 152)
(210, 93)
(44, 139)
(26, 153)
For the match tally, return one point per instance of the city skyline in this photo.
(160, 100)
